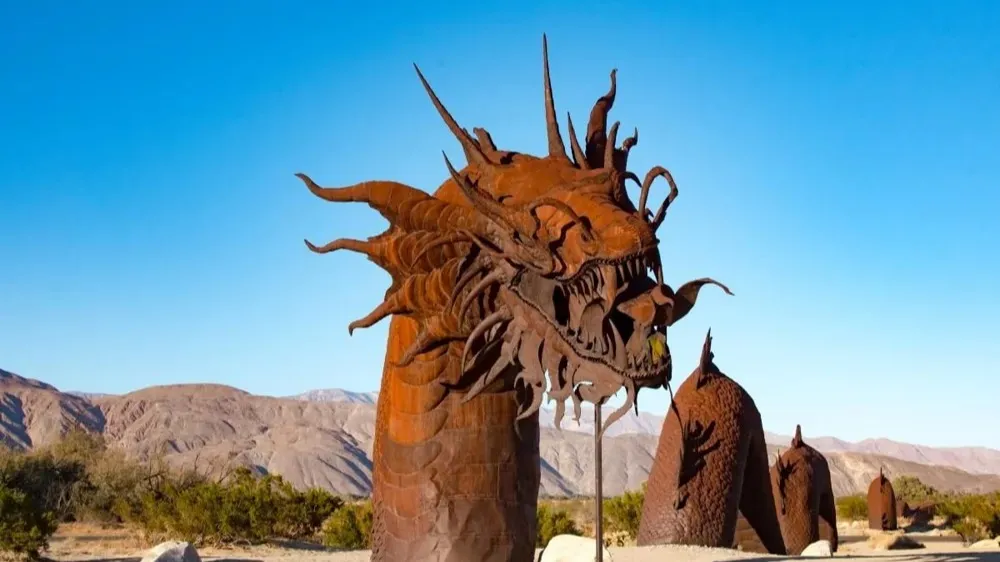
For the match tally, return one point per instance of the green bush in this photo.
(112, 491)
(552, 522)
(47, 480)
(852, 508)
(302, 514)
(623, 513)
(242, 508)
(350, 527)
(25, 526)
(912, 490)
(970, 530)
(974, 516)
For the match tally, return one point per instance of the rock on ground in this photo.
(893, 542)
(172, 551)
(818, 548)
(986, 544)
(571, 548)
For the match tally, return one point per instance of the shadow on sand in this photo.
(904, 556)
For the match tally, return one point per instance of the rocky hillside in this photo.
(33, 413)
(337, 395)
(319, 440)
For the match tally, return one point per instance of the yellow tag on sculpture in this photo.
(657, 347)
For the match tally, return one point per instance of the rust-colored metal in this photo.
(920, 513)
(803, 495)
(902, 508)
(881, 504)
(711, 463)
(515, 267)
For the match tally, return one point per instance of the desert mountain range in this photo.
(324, 438)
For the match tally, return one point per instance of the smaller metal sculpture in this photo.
(803, 494)
(881, 504)
(711, 463)
(920, 514)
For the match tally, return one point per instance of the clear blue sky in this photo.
(837, 164)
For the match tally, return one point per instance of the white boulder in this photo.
(571, 548)
(986, 544)
(818, 548)
(172, 551)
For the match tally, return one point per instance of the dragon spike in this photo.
(484, 382)
(403, 206)
(797, 440)
(483, 284)
(497, 317)
(473, 153)
(359, 246)
(556, 147)
(482, 202)
(536, 402)
(609, 146)
(598, 121)
(630, 142)
(687, 295)
(647, 182)
(630, 396)
(485, 140)
(578, 155)
(465, 277)
(661, 213)
(392, 305)
(416, 294)
(705, 362)
(450, 239)
(559, 414)
(432, 335)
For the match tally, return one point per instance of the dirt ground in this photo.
(78, 543)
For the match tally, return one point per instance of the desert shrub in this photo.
(303, 513)
(112, 490)
(106, 483)
(350, 527)
(78, 446)
(25, 526)
(912, 490)
(243, 508)
(622, 513)
(970, 530)
(852, 508)
(975, 515)
(47, 480)
(552, 522)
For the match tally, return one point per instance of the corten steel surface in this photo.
(598, 486)
(711, 462)
(515, 266)
(803, 494)
(881, 504)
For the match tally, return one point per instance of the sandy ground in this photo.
(81, 543)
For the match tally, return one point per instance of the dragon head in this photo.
(538, 264)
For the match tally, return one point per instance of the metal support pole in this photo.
(598, 485)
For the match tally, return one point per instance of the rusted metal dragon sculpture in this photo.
(710, 466)
(803, 494)
(517, 267)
